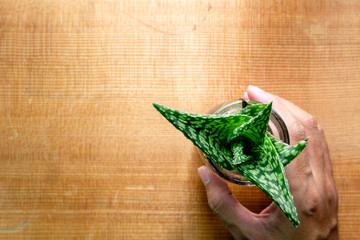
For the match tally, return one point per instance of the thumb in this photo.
(235, 216)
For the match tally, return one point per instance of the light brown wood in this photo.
(83, 153)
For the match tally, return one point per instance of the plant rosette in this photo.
(240, 142)
(276, 127)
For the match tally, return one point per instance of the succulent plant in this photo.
(241, 142)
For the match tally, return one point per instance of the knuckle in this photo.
(322, 206)
(297, 131)
(311, 123)
(331, 194)
(217, 205)
(333, 222)
(328, 226)
(320, 131)
(313, 202)
(313, 205)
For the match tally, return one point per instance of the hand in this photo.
(310, 179)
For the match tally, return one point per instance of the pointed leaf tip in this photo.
(161, 109)
(156, 106)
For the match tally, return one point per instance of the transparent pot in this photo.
(276, 127)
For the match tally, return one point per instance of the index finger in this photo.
(296, 130)
(300, 115)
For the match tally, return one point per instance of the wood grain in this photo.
(84, 154)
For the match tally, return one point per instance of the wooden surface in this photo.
(83, 153)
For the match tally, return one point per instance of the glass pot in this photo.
(276, 127)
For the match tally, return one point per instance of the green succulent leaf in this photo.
(267, 173)
(253, 129)
(286, 152)
(240, 142)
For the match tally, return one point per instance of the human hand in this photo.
(310, 179)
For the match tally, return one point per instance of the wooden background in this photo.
(83, 153)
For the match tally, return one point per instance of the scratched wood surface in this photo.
(84, 155)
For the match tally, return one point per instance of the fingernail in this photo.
(257, 94)
(246, 95)
(256, 89)
(204, 175)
